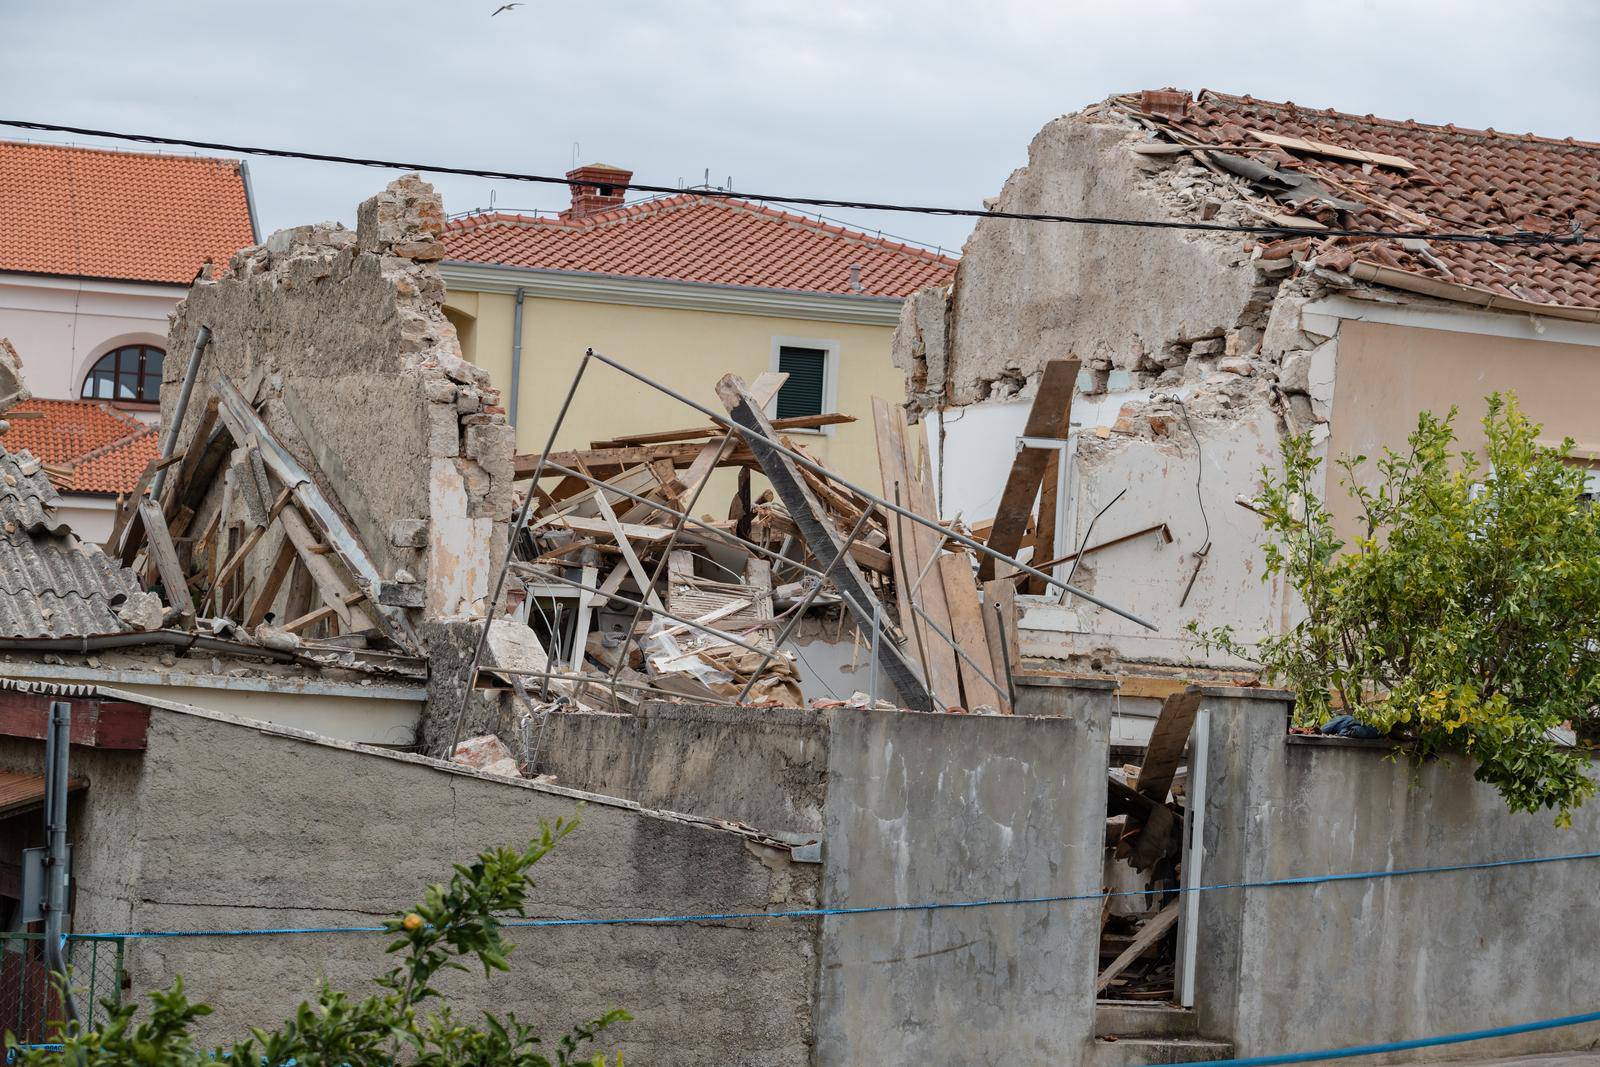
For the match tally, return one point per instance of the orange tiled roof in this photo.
(98, 448)
(1463, 180)
(691, 238)
(93, 213)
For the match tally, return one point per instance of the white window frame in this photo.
(830, 376)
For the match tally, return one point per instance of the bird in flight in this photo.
(502, 7)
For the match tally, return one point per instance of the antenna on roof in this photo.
(574, 155)
(730, 183)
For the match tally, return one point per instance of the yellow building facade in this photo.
(683, 289)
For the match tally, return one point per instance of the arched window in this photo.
(132, 372)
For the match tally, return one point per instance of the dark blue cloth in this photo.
(1348, 726)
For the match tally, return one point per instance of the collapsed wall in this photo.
(1195, 363)
(340, 339)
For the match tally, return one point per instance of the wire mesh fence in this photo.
(30, 1002)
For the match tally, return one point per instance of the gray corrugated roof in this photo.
(51, 584)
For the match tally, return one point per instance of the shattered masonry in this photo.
(342, 336)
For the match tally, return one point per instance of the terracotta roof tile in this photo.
(133, 216)
(693, 238)
(1464, 180)
(102, 449)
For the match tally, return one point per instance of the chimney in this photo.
(596, 187)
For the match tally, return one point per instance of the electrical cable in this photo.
(1523, 237)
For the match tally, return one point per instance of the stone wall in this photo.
(343, 338)
(224, 824)
(1313, 967)
(1196, 361)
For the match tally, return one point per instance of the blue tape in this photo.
(1398, 1046)
(873, 909)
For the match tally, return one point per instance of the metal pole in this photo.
(900, 558)
(170, 438)
(799, 612)
(511, 548)
(1005, 657)
(877, 636)
(516, 358)
(666, 552)
(816, 468)
(57, 743)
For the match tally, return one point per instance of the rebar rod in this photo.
(588, 679)
(511, 547)
(816, 468)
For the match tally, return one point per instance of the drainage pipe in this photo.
(516, 359)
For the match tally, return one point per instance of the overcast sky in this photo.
(923, 101)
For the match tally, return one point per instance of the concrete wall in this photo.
(767, 769)
(1288, 969)
(224, 824)
(954, 807)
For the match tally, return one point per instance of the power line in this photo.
(1520, 238)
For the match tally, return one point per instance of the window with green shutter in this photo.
(804, 392)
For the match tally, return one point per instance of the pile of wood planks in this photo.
(235, 496)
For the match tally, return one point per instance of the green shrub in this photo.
(1464, 618)
(453, 922)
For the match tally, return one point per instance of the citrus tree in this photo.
(1462, 617)
(405, 1021)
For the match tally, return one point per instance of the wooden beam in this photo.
(282, 563)
(159, 543)
(329, 611)
(825, 542)
(1167, 741)
(640, 578)
(96, 721)
(874, 559)
(1001, 630)
(622, 530)
(1148, 935)
(913, 548)
(1051, 410)
(798, 422)
(335, 591)
(966, 625)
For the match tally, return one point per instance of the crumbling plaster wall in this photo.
(344, 337)
(1196, 360)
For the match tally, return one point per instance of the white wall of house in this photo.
(60, 326)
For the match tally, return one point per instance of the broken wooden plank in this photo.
(329, 611)
(1148, 935)
(875, 559)
(966, 625)
(1051, 410)
(797, 422)
(1336, 151)
(1168, 738)
(282, 563)
(159, 544)
(642, 579)
(913, 548)
(622, 530)
(334, 589)
(604, 462)
(824, 541)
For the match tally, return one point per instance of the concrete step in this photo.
(1128, 1018)
(1135, 1051)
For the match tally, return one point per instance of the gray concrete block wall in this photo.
(766, 768)
(252, 828)
(937, 807)
(1300, 968)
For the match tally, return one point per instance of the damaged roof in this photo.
(1359, 172)
(130, 216)
(88, 445)
(51, 584)
(710, 240)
